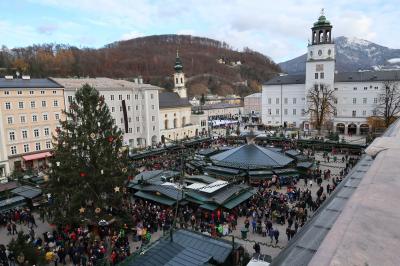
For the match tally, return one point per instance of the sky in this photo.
(279, 29)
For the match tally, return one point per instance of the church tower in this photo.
(179, 77)
(320, 65)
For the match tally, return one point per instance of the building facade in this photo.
(30, 112)
(284, 98)
(252, 104)
(133, 106)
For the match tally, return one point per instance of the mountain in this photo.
(209, 65)
(352, 54)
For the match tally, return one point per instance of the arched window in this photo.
(175, 123)
(166, 123)
(181, 80)
(183, 121)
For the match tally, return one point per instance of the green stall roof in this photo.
(155, 198)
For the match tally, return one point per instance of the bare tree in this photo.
(320, 101)
(388, 106)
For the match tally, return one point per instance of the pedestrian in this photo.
(9, 228)
(276, 235)
(14, 228)
(271, 234)
(310, 183)
(257, 248)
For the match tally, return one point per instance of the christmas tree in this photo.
(89, 165)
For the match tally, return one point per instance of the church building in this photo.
(284, 98)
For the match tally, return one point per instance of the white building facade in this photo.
(133, 106)
(284, 100)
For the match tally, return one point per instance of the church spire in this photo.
(322, 30)
(178, 63)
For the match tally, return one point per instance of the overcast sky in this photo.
(278, 28)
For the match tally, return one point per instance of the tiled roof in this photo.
(28, 83)
(172, 99)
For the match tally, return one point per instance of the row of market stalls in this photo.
(13, 195)
(206, 192)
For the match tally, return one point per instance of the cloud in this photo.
(47, 29)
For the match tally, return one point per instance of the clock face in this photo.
(319, 52)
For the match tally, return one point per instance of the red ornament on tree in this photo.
(110, 139)
(82, 174)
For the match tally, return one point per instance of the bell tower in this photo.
(320, 65)
(179, 77)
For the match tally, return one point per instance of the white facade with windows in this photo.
(284, 97)
(133, 106)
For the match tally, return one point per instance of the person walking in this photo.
(276, 235)
(271, 234)
(14, 228)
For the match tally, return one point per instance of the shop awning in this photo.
(155, 198)
(209, 206)
(27, 192)
(239, 199)
(36, 156)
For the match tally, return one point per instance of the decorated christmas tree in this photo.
(89, 165)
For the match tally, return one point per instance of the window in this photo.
(128, 96)
(129, 107)
(376, 87)
(277, 100)
(10, 120)
(122, 120)
(33, 104)
(269, 100)
(112, 109)
(31, 92)
(46, 131)
(285, 111)
(277, 111)
(55, 103)
(48, 144)
(37, 146)
(316, 87)
(138, 129)
(11, 135)
(152, 107)
(364, 100)
(303, 112)
(13, 150)
(54, 92)
(294, 100)
(112, 97)
(120, 97)
(354, 113)
(21, 105)
(130, 119)
(34, 118)
(321, 75)
(285, 100)
(22, 118)
(130, 130)
(24, 134)
(316, 75)
(6, 92)
(355, 88)
(335, 101)
(336, 89)
(44, 103)
(57, 116)
(36, 133)
(365, 88)
(137, 107)
(41, 92)
(26, 147)
(154, 128)
(375, 100)
(373, 112)
(294, 111)
(335, 112)
(120, 108)
(136, 96)
(8, 105)
(153, 118)
(354, 100)
(269, 111)
(364, 113)
(137, 119)
(19, 92)
(151, 96)
(70, 99)
(45, 117)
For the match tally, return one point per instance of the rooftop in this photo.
(216, 106)
(102, 84)
(171, 100)
(28, 83)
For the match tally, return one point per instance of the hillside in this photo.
(352, 54)
(153, 58)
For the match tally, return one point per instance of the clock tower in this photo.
(179, 77)
(320, 65)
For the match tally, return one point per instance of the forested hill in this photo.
(208, 64)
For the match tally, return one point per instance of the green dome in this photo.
(178, 64)
(322, 21)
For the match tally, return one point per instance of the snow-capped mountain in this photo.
(352, 54)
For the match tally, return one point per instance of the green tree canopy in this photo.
(89, 164)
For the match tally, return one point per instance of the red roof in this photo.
(36, 156)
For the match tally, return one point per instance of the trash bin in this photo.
(244, 232)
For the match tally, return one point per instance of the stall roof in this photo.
(169, 191)
(305, 165)
(11, 202)
(222, 169)
(237, 200)
(201, 178)
(156, 198)
(8, 186)
(27, 192)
